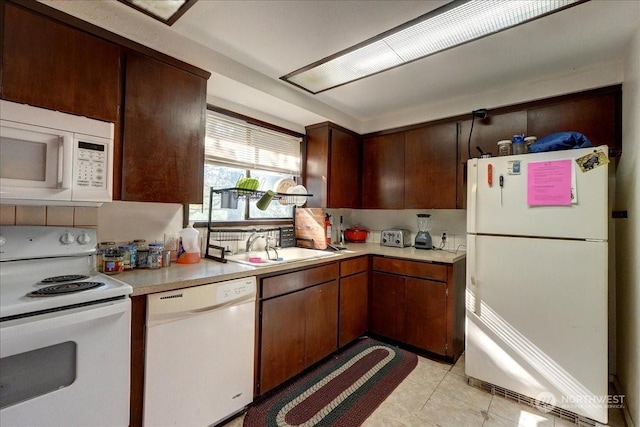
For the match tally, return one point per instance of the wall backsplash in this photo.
(125, 221)
(453, 221)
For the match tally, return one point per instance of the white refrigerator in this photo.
(536, 297)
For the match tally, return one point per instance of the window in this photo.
(235, 148)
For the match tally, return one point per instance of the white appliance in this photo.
(199, 353)
(64, 331)
(536, 308)
(49, 157)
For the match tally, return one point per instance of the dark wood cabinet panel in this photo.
(388, 305)
(344, 188)
(383, 172)
(404, 267)
(333, 159)
(317, 165)
(321, 321)
(163, 139)
(354, 265)
(282, 346)
(594, 117)
(426, 315)
(52, 65)
(430, 167)
(354, 307)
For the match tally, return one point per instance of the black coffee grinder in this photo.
(423, 238)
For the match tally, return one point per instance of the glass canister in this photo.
(103, 247)
(517, 144)
(130, 254)
(504, 147)
(155, 255)
(528, 141)
(113, 262)
(142, 253)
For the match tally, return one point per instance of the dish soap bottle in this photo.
(188, 246)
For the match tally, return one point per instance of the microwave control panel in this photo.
(91, 165)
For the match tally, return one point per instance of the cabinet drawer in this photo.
(422, 270)
(297, 280)
(283, 284)
(353, 266)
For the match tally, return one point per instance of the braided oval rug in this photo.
(343, 391)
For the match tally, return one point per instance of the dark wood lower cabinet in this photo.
(420, 304)
(426, 314)
(298, 323)
(321, 321)
(354, 307)
(388, 305)
(283, 339)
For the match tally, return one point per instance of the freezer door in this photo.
(537, 319)
(496, 209)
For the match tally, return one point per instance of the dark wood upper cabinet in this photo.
(164, 130)
(383, 172)
(52, 65)
(430, 167)
(333, 165)
(595, 117)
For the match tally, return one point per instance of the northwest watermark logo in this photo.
(545, 401)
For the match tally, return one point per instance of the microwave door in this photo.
(35, 162)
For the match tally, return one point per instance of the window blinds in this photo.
(236, 143)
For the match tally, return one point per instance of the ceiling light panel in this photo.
(454, 24)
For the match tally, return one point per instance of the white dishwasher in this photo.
(199, 353)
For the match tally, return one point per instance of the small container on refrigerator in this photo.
(504, 147)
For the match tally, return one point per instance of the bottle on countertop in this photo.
(189, 246)
(327, 224)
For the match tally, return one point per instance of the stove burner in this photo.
(65, 278)
(66, 288)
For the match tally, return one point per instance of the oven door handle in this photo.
(59, 319)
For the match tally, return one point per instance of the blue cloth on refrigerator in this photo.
(560, 141)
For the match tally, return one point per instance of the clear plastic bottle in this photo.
(518, 146)
(189, 246)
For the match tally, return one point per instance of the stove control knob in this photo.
(84, 238)
(67, 238)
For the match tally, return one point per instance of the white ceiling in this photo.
(248, 45)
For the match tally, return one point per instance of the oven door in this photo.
(67, 368)
(35, 162)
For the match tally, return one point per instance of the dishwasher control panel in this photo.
(229, 291)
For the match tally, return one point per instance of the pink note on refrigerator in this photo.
(549, 183)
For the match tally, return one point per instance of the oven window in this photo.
(37, 372)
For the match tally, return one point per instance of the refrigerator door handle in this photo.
(472, 194)
(474, 289)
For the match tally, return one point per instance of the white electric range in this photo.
(64, 331)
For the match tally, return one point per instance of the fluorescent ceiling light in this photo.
(167, 11)
(451, 25)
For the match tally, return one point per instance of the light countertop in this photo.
(179, 276)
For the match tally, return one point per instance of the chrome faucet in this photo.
(269, 246)
(252, 239)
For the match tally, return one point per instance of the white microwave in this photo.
(53, 158)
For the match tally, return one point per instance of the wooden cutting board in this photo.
(309, 228)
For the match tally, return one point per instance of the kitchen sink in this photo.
(285, 255)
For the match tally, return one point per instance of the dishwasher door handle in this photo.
(223, 305)
(162, 318)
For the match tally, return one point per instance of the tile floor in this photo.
(437, 394)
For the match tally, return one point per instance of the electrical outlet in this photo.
(443, 237)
